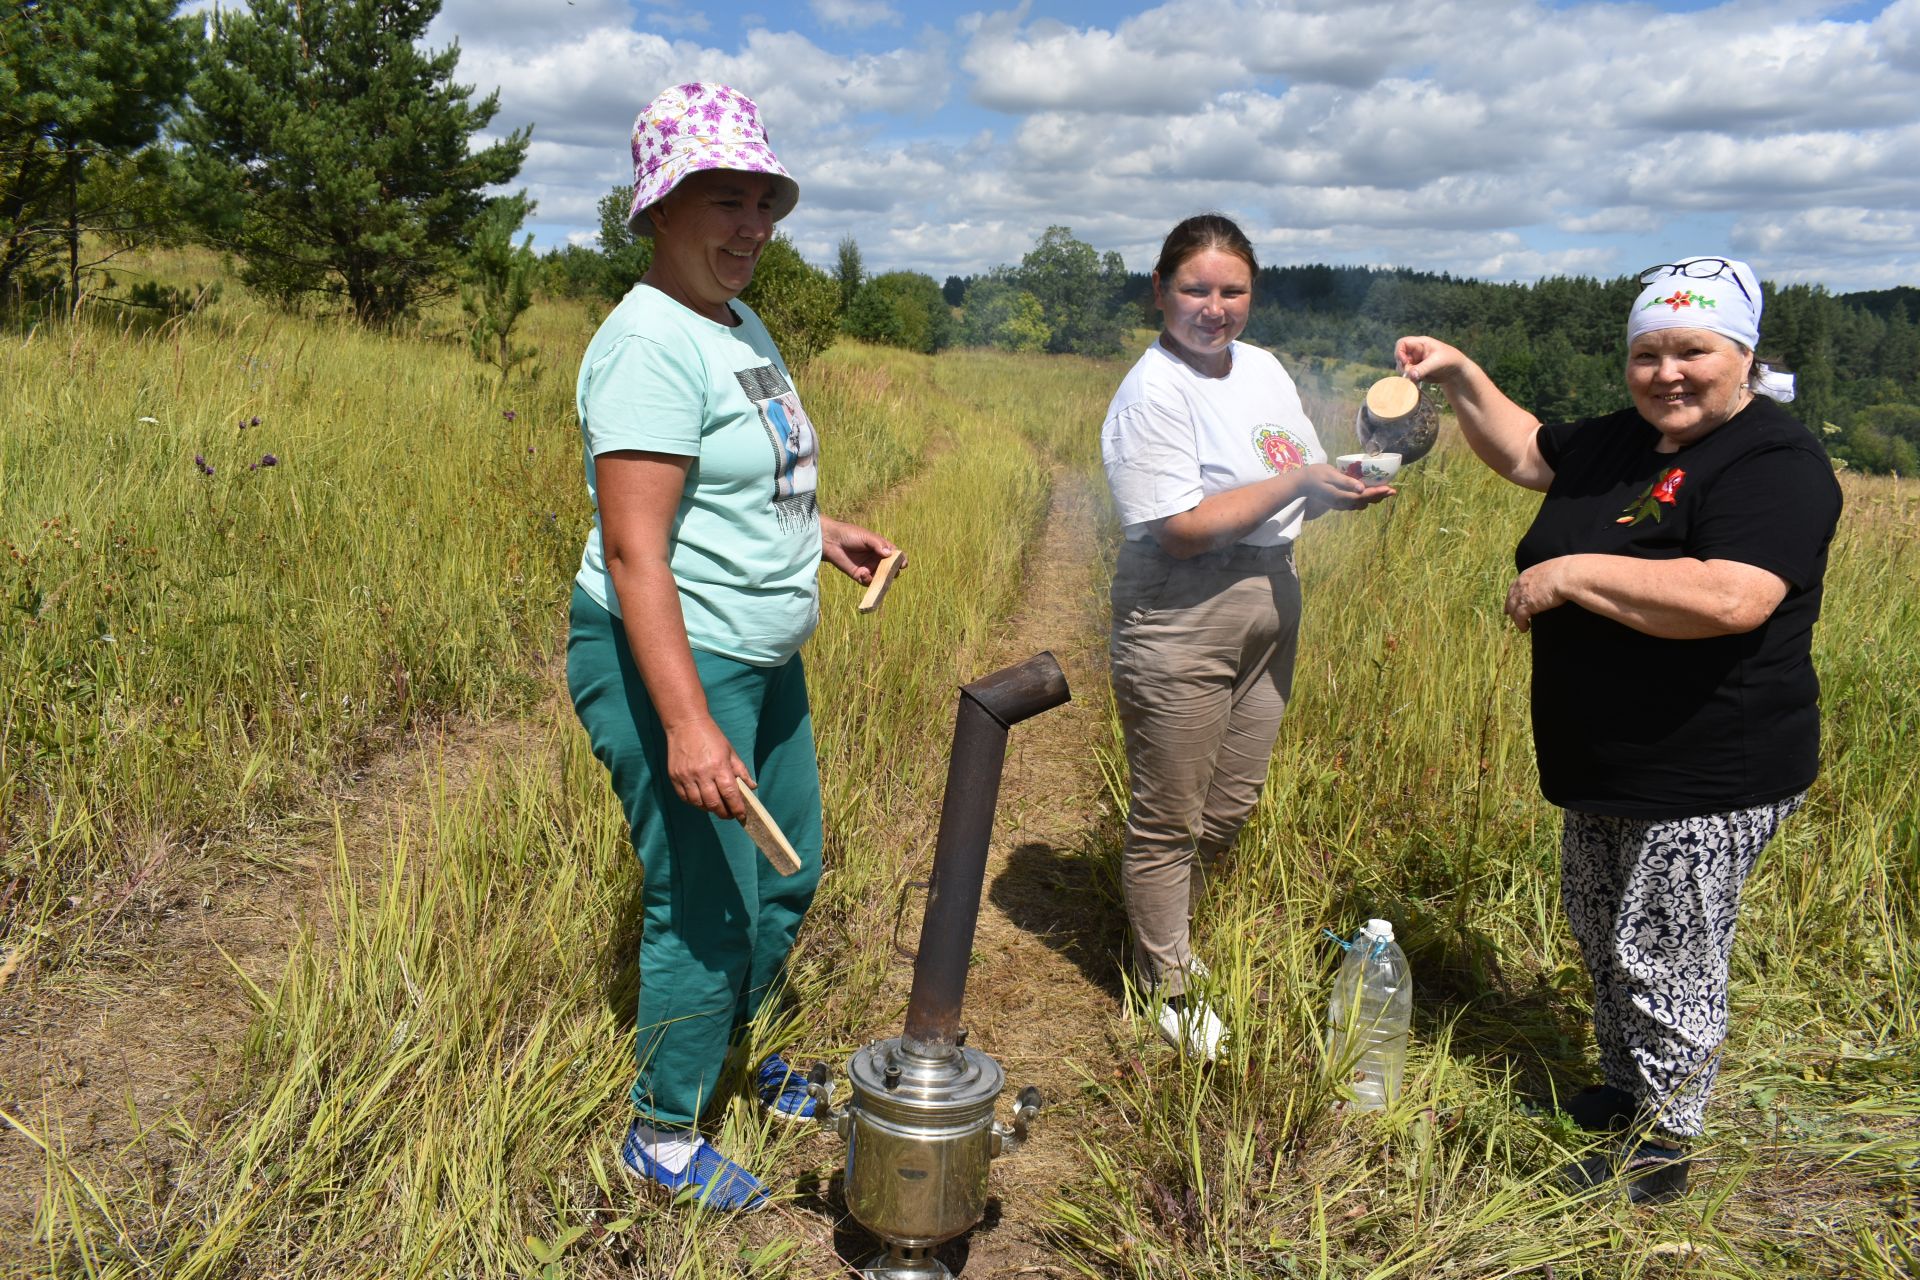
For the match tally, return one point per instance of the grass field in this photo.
(194, 643)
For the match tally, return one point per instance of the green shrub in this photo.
(799, 302)
(999, 315)
(902, 309)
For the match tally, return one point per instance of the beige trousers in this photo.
(1202, 658)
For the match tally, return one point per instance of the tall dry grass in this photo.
(428, 1090)
(1404, 787)
(238, 547)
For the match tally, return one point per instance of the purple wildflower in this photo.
(206, 468)
(508, 414)
(268, 460)
(254, 421)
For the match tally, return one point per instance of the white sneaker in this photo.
(1192, 1028)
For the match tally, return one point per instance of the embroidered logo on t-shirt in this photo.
(1279, 448)
(795, 472)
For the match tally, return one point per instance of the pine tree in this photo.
(625, 256)
(332, 152)
(498, 291)
(849, 270)
(84, 87)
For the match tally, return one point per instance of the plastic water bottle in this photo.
(1368, 1017)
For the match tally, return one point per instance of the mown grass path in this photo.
(102, 1062)
(1041, 996)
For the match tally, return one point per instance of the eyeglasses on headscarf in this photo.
(1698, 269)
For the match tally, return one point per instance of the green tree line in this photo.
(316, 140)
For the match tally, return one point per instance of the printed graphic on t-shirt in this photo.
(1279, 448)
(790, 432)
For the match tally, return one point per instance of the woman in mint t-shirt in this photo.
(697, 588)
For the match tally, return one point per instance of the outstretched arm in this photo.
(1222, 519)
(1500, 432)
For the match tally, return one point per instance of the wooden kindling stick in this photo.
(766, 833)
(882, 579)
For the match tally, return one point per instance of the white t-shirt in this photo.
(1172, 437)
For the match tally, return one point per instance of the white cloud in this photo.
(1897, 30)
(590, 87)
(1726, 172)
(1052, 66)
(1806, 76)
(855, 14)
(1636, 219)
(503, 22)
(1478, 136)
(1352, 46)
(1835, 233)
(1866, 248)
(677, 21)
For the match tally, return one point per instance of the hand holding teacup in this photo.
(1370, 469)
(1330, 487)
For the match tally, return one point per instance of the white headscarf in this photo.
(1725, 301)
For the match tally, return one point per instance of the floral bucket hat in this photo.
(701, 126)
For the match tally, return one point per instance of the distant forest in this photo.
(1558, 346)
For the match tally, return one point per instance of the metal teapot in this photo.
(1397, 418)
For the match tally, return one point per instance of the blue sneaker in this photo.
(782, 1090)
(715, 1181)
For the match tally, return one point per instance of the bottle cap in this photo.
(1381, 930)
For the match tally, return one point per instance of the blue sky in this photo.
(1499, 140)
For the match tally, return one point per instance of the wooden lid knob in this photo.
(1391, 398)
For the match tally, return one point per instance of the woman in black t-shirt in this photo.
(1670, 583)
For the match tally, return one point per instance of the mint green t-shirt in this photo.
(746, 539)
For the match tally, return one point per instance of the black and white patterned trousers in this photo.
(1653, 905)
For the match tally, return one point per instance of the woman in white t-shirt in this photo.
(1214, 467)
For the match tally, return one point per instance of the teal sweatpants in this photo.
(718, 920)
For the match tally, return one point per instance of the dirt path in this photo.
(149, 1029)
(1043, 994)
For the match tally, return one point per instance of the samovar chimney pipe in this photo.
(988, 708)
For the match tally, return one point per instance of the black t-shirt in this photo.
(1637, 726)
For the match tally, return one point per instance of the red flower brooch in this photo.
(1659, 493)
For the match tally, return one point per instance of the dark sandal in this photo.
(1601, 1108)
(1652, 1174)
